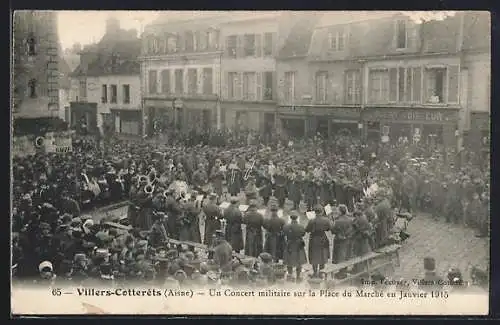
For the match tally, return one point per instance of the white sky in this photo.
(86, 27)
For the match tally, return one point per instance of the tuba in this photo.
(39, 142)
(152, 177)
(149, 189)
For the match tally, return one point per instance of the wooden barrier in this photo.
(371, 263)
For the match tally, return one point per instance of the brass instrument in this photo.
(142, 179)
(39, 141)
(249, 170)
(165, 195)
(149, 189)
(152, 177)
(233, 175)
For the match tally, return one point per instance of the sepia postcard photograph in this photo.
(250, 162)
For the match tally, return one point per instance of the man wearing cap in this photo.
(234, 219)
(190, 226)
(234, 179)
(213, 215)
(47, 275)
(69, 205)
(280, 187)
(431, 281)
(295, 253)
(223, 252)
(274, 240)
(217, 176)
(173, 210)
(254, 222)
(385, 216)
(295, 189)
(265, 186)
(319, 245)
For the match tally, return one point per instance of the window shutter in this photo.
(199, 80)
(225, 88)
(417, 85)
(258, 45)
(274, 85)
(275, 39)
(453, 83)
(393, 84)
(240, 48)
(239, 85)
(258, 76)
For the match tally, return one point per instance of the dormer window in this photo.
(31, 45)
(32, 88)
(336, 40)
(401, 34)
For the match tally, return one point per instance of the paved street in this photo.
(451, 246)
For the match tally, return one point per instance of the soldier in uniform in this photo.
(158, 233)
(431, 280)
(295, 189)
(234, 233)
(234, 179)
(223, 252)
(190, 226)
(274, 240)
(251, 189)
(343, 231)
(200, 178)
(173, 210)
(295, 253)
(310, 194)
(69, 205)
(319, 245)
(217, 177)
(385, 217)
(213, 215)
(265, 187)
(362, 234)
(254, 222)
(280, 187)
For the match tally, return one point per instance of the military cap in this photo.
(219, 234)
(102, 252)
(318, 209)
(173, 253)
(76, 221)
(274, 207)
(234, 200)
(79, 257)
(45, 266)
(266, 257)
(294, 215)
(429, 264)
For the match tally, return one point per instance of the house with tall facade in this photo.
(35, 90)
(213, 72)
(107, 83)
(386, 76)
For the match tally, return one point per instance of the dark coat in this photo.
(234, 233)
(343, 231)
(234, 187)
(295, 191)
(319, 245)
(70, 206)
(362, 236)
(274, 240)
(253, 239)
(295, 253)
(217, 177)
(280, 187)
(223, 255)
(266, 187)
(212, 222)
(190, 227)
(385, 217)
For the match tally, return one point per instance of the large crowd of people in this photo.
(226, 193)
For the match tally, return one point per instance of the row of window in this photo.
(250, 85)
(250, 45)
(429, 85)
(337, 39)
(172, 81)
(113, 94)
(188, 41)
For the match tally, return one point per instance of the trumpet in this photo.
(248, 171)
(165, 195)
(152, 177)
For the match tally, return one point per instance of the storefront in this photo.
(84, 116)
(180, 114)
(424, 125)
(259, 117)
(479, 134)
(126, 121)
(327, 121)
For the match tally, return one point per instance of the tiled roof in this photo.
(299, 38)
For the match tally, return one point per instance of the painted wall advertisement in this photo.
(58, 142)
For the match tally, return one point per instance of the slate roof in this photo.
(126, 49)
(299, 39)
